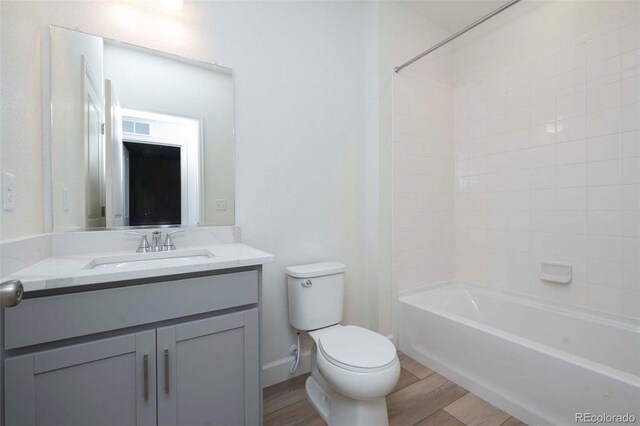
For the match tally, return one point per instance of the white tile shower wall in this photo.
(547, 159)
(423, 166)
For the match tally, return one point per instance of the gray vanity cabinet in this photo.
(203, 372)
(208, 371)
(111, 382)
(178, 352)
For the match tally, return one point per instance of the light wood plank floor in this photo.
(421, 397)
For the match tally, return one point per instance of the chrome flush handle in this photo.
(307, 283)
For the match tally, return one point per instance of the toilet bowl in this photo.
(356, 362)
(352, 368)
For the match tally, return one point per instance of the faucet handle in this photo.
(168, 242)
(144, 246)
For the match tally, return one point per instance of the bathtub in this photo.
(542, 362)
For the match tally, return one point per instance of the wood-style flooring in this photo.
(421, 397)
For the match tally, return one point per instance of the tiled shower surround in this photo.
(423, 170)
(546, 148)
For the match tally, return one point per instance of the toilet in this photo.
(352, 368)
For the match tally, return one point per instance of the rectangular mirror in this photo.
(138, 137)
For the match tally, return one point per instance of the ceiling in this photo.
(453, 15)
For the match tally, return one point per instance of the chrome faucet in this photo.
(156, 241)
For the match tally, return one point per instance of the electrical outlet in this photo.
(9, 191)
(221, 204)
(65, 199)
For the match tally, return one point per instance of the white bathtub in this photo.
(542, 362)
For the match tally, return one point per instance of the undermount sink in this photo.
(150, 260)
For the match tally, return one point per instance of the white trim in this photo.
(278, 371)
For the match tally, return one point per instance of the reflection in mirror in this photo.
(138, 137)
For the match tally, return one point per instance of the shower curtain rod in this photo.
(456, 35)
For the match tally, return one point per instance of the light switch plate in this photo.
(221, 204)
(8, 191)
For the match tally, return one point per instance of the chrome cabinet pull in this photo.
(166, 371)
(145, 363)
(11, 293)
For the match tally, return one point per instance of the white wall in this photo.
(547, 147)
(303, 83)
(415, 159)
(20, 121)
(154, 83)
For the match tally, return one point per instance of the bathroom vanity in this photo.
(136, 343)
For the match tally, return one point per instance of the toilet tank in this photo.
(316, 295)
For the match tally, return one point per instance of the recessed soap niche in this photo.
(556, 272)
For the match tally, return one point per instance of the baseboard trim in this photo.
(278, 371)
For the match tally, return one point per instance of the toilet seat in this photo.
(356, 349)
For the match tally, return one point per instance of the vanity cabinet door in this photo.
(209, 371)
(107, 382)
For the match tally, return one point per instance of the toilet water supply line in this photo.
(296, 361)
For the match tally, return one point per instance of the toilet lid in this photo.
(352, 346)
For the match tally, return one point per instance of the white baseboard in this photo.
(278, 371)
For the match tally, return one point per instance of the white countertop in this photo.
(69, 271)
